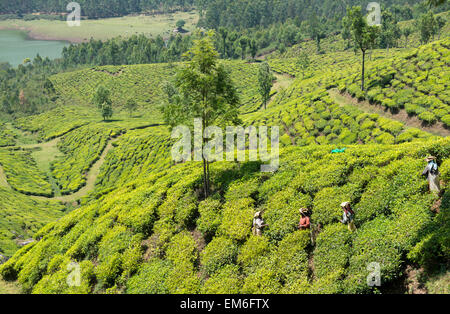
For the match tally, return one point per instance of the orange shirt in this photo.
(304, 222)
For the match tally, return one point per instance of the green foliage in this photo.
(218, 253)
(151, 278)
(23, 173)
(210, 216)
(7, 137)
(332, 253)
(255, 248)
(237, 218)
(182, 249)
(265, 79)
(21, 216)
(226, 281)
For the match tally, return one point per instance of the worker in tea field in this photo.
(258, 224)
(348, 216)
(304, 220)
(431, 172)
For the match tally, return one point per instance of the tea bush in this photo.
(23, 174)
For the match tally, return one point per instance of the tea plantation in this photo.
(144, 226)
(154, 235)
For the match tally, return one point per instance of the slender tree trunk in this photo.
(205, 185)
(208, 180)
(363, 69)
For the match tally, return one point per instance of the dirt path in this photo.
(282, 81)
(91, 177)
(402, 115)
(3, 181)
(9, 287)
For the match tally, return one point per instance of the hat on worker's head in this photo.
(257, 214)
(430, 158)
(303, 211)
(344, 204)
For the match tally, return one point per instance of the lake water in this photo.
(15, 46)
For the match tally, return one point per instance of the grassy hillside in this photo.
(21, 217)
(23, 174)
(155, 235)
(161, 24)
(143, 226)
(143, 83)
(7, 138)
(416, 82)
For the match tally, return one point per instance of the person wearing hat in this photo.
(348, 216)
(304, 220)
(431, 172)
(258, 224)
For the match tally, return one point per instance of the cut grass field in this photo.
(103, 29)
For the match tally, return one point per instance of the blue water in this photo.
(15, 46)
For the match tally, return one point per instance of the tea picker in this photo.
(348, 216)
(258, 224)
(431, 172)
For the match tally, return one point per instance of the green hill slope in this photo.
(155, 235)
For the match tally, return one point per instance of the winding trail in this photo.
(91, 176)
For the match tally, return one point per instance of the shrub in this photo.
(210, 216)
(446, 120)
(226, 281)
(372, 245)
(253, 250)
(182, 249)
(427, 117)
(237, 218)
(182, 279)
(219, 252)
(116, 240)
(262, 281)
(109, 270)
(348, 137)
(282, 213)
(327, 203)
(290, 258)
(385, 138)
(332, 251)
(151, 278)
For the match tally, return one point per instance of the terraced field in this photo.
(143, 226)
(147, 220)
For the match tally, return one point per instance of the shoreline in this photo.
(31, 35)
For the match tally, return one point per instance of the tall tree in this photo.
(363, 35)
(303, 62)
(390, 31)
(407, 31)
(265, 80)
(316, 29)
(253, 48)
(243, 41)
(223, 32)
(103, 101)
(426, 25)
(202, 89)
